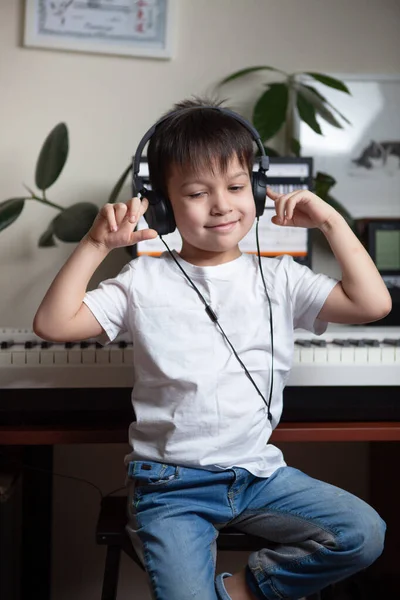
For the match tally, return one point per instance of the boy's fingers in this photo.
(109, 214)
(134, 211)
(143, 234)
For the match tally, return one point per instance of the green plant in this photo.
(279, 109)
(71, 224)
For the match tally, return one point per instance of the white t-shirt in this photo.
(193, 403)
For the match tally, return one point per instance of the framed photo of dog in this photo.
(127, 28)
(363, 157)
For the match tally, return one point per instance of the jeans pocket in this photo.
(148, 474)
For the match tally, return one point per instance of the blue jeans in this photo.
(315, 533)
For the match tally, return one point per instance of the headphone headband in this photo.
(264, 160)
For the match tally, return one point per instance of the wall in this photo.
(107, 103)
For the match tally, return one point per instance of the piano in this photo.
(348, 373)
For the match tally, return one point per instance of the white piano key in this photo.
(18, 355)
(388, 355)
(60, 356)
(75, 356)
(116, 356)
(306, 355)
(5, 358)
(397, 356)
(33, 356)
(374, 355)
(361, 355)
(347, 355)
(334, 354)
(88, 356)
(321, 355)
(46, 357)
(102, 356)
(128, 356)
(296, 356)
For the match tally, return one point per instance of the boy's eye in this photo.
(196, 195)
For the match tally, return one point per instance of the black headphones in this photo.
(159, 215)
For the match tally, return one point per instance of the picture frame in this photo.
(135, 28)
(364, 156)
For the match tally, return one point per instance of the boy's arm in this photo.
(62, 316)
(361, 296)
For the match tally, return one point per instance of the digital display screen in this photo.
(387, 249)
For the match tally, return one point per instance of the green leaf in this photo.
(10, 211)
(271, 151)
(270, 110)
(47, 240)
(75, 221)
(330, 81)
(321, 97)
(295, 147)
(118, 186)
(323, 182)
(243, 72)
(52, 157)
(319, 105)
(307, 113)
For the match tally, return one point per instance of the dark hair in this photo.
(195, 137)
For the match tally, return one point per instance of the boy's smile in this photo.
(213, 210)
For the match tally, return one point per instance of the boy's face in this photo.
(213, 212)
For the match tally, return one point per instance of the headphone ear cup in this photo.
(259, 187)
(159, 215)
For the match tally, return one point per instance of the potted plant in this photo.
(283, 105)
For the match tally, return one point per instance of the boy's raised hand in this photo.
(300, 209)
(114, 226)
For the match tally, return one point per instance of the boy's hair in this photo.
(197, 137)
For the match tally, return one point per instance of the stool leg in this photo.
(111, 573)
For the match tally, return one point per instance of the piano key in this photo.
(46, 357)
(323, 363)
(392, 342)
(89, 356)
(102, 355)
(321, 354)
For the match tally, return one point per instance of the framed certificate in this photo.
(127, 27)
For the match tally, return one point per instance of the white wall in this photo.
(107, 103)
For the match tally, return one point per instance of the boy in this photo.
(201, 457)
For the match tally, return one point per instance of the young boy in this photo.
(201, 458)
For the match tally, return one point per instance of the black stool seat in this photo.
(110, 531)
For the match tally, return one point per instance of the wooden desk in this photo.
(37, 442)
(285, 432)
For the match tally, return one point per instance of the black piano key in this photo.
(85, 344)
(343, 343)
(45, 345)
(98, 345)
(5, 345)
(319, 343)
(30, 344)
(122, 344)
(371, 342)
(392, 342)
(69, 345)
(358, 343)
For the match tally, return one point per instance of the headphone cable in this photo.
(214, 318)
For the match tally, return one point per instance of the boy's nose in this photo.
(221, 205)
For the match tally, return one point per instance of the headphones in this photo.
(159, 215)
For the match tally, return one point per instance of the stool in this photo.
(110, 532)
